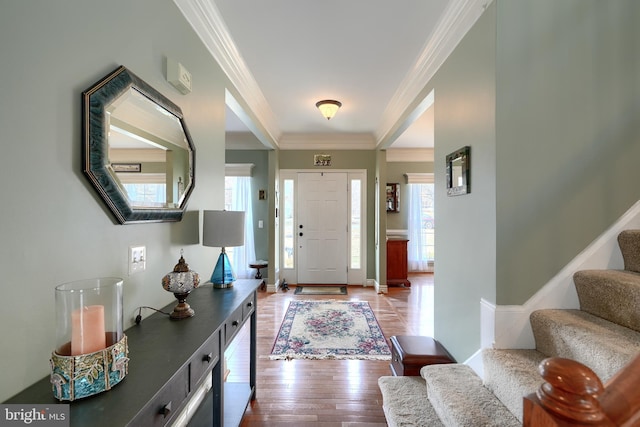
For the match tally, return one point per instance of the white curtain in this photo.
(416, 248)
(239, 199)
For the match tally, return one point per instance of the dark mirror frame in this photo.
(95, 130)
(393, 197)
(463, 154)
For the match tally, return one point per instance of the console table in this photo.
(169, 361)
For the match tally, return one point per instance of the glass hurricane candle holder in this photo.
(91, 354)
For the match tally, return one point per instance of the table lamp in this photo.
(181, 281)
(223, 229)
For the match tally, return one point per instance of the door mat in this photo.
(320, 290)
(330, 330)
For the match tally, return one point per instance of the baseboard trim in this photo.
(380, 289)
(273, 287)
(475, 362)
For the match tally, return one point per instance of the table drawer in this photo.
(236, 320)
(232, 325)
(204, 359)
(248, 306)
(166, 403)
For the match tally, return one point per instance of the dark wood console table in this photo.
(169, 361)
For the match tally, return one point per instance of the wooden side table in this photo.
(258, 265)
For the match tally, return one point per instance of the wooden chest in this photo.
(410, 353)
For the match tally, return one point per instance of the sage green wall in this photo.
(568, 139)
(259, 181)
(380, 220)
(395, 173)
(54, 227)
(465, 236)
(342, 159)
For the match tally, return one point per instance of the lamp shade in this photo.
(223, 228)
(328, 107)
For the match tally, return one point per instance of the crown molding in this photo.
(457, 20)
(419, 178)
(327, 141)
(205, 19)
(410, 155)
(238, 169)
(208, 24)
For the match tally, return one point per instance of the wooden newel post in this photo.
(569, 396)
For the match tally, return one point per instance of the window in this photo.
(147, 194)
(237, 197)
(356, 224)
(421, 247)
(288, 230)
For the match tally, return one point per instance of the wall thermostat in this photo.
(178, 76)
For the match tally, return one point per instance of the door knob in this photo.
(300, 234)
(300, 226)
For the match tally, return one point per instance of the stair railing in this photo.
(573, 395)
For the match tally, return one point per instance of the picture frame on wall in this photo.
(127, 167)
(458, 169)
(322, 159)
(393, 197)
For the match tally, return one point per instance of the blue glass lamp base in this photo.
(223, 276)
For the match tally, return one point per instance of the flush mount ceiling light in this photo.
(328, 107)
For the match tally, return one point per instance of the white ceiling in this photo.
(374, 56)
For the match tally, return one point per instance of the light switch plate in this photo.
(137, 259)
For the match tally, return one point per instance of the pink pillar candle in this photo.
(87, 330)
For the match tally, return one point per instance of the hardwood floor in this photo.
(330, 392)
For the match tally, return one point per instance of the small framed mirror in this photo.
(137, 150)
(393, 198)
(458, 168)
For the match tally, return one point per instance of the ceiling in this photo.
(374, 56)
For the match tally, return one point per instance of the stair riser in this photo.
(629, 242)
(460, 399)
(601, 345)
(611, 295)
(512, 374)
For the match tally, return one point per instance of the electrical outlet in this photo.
(137, 259)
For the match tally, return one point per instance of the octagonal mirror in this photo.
(137, 150)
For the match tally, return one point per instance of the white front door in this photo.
(321, 229)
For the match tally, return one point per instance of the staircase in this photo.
(604, 335)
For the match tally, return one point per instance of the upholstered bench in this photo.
(410, 353)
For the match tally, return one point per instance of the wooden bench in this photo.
(410, 353)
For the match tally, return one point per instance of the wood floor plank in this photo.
(328, 393)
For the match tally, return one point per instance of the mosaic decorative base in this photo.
(75, 377)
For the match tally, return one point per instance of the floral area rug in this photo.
(330, 330)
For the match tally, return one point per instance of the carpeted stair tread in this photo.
(611, 294)
(460, 399)
(512, 374)
(405, 402)
(629, 243)
(603, 346)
